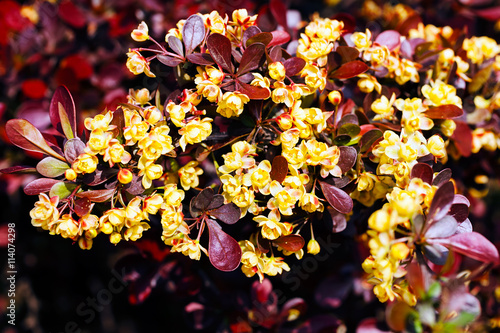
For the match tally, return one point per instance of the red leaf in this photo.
(224, 251)
(294, 65)
(253, 92)
(473, 245)
(350, 69)
(63, 112)
(251, 58)
(193, 32)
(348, 157)
(82, 206)
(228, 213)
(462, 137)
(441, 202)
(290, 242)
(26, 136)
(262, 37)
(169, 61)
(220, 50)
(80, 66)
(279, 38)
(71, 14)
(389, 38)
(492, 14)
(347, 53)
(18, 169)
(40, 185)
(203, 59)
(278, 9)
(97, 195)
(337, 198)
(444, 112)
(422, 171)
(279, 168)
(34, 88)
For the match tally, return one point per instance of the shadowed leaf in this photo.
(251, 58)
(220, 50)
(193, 32)
(26, 136)
(216, 202)
(347, 54)
(262, 37)
(350, 69)
(294, 65)
(290, 242)
(442, 177)
(337, 198)
(228, 213)
(368, 139)
(422, 171)
(203, 59)
(19, 169)
(335, 221)
(444, 112)
(347, 159)
(169, 61)
(203, 200)
(73, 148)
(249, 33)
(460, 208)
(441, 202)
(341, 140)
(51, 167)
(224, 251)
(349, 129)
(40, 185)
(480, 79)
(62, 112)
(462, 137)
(97, 195)
(279, 168)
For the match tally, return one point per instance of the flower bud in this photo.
(85, 243)
(70, 174)
(400, 251)
(115, 238)
(313, 247)
(335, 97)
(141, 33)
(448, 126)
(284, 121)
(277, 71)
(125, 176)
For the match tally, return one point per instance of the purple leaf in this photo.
(368, 139)
(203, 199)
(444, 112)
(473, 245)
(347, 159)
(294, 66)
(347, 54)
(216, 201)
(51, 167)
(464, 227)
(82, 206)
(63, 112)
(337, 198)
(332, 291)
(459, 210)
(291, 243)
(336, 222)
(97, 195)
(443, 228)
(193, 32)
(73, 148)
(26, 136)
(251, 58)
(18, 170)
(250, 32)
(40, 185)
(274, 54)
(176, 45)
(224, 251)
(389, 38)
(253, 92)
(228, 213)
(422, 171)
(203, 59)
(279, 168)
(262, 37)
(442, 177)
(220, 50)
(350, 69)
(169, 61)
(441, 202)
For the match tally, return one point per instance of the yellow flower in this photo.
(232, 104)
(141, 33)
(284, 199)
(274, 266)
(188, 175)
(215, 22)
(115, 217)
(149, 173)
(152, 114)
(67, 227)
(209, 90)
(315, 77)
(116, 153)
(139, 96)
(310, 203)
(195, 131)
(313, 247)
(271, 226)
(241, 18)
(480, 49)
(137, 130)
(45, 211)
(70, 174)
(98, 142)
(436, 146)
(137, 64)
(368, 83)
(440, 93)
(152, 204)
(383, 107)
(362, 40)
(85, 163)
(101, 121)
(400, 251)
(277, 71)
(135, 232)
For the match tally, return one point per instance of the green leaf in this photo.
(26, 136)
(65, 124)
(349, 129)
(51, 167)
(63, 112)
(62, 190)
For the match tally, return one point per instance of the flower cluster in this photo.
(279, 139)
